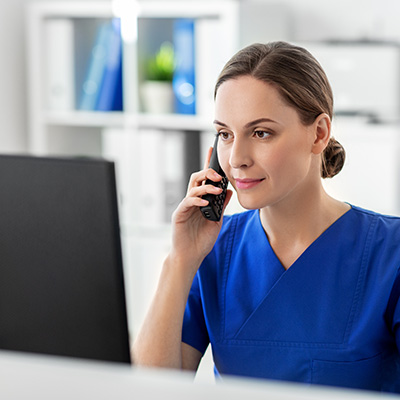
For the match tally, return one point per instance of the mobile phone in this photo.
(213, 210)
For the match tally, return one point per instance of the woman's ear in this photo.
(322, 132)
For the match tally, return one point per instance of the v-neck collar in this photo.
(308, 288)
(309, 247)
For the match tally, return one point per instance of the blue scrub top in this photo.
(325, 320)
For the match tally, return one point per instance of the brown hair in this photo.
(301, 82)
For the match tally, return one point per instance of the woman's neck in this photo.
(292, 225)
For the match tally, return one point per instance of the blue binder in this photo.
(94, 76)
(102, 88)
(110, 94)
(184, 75)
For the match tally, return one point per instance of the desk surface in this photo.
(31, 377)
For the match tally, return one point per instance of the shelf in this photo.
(141, 9)
(187, 9)
(175, 122)
(127, 120)
(99, 9)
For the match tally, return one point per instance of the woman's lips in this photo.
(243, 184)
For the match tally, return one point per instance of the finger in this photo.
(190, 202)
(187, 207)
(198, 178)
(198, 191)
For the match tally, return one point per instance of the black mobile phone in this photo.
(213, 210)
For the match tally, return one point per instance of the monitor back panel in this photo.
(61, 276)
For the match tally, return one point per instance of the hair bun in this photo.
(333, 159)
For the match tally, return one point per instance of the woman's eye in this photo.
(262, 134)
(224, 135)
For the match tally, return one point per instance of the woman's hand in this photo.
(159, 342)
(193, 235)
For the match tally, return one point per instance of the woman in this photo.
(301, 287)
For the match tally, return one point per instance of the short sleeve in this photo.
(194, 329)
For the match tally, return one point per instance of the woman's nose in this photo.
(240, 156)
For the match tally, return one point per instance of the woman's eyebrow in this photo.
(249, 124)
(215, 122)
(258, 121)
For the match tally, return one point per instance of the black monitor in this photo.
(61, 275)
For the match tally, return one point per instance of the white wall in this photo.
(342, 19)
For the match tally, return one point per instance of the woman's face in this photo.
(264, 149)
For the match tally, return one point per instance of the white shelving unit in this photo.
(117, 119)
(130, 12)
(74, 132)
(117, 134)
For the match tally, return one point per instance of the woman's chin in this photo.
(250, 204)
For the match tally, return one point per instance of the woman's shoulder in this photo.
(384, 220)
(370, 212)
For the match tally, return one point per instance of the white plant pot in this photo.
(157, 97)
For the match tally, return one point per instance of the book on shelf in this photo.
(110, 93)
(200, 54)
(150, 168)
(59, 64)
(91, 85)
(102, 87)
(173, 172)
(184, 75)
(117, 146)
(209, 58)
(161, 183)
(149, 181)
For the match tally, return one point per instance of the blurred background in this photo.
(133, 82)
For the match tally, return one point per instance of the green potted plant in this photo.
(156, 91)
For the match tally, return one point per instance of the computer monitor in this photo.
(61, 274)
